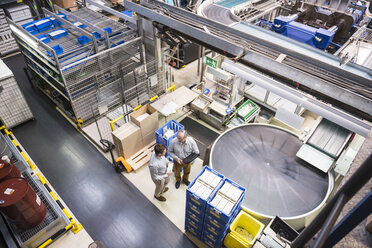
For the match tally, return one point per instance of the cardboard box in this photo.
(148, 125)
(128, 139)
(65, 3)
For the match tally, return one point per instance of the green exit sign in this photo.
(210, 62)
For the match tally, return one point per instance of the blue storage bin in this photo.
(192, 215)
(210, 243)
(210, 220)
(58, 49)
(79, 24)
(30, 26)
(195, 199)
(128, 13)
(44, 38)
(83, 39)
(189, 222)
(58, 33)
(193, 231)
(108, 30)
(96, 34)
(194, 218)
(63, 16)
(219, 215)
(195, 209)
(43, 24)
(214, 238)
(214, 230)
(172, 124)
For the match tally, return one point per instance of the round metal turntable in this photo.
(262, 158)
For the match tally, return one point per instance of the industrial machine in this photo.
(263, 159)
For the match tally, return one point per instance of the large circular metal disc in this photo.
(262, 159)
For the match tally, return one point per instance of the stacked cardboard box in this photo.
(127, 139)
(147, 119)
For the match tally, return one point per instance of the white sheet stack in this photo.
(226, 198)
(205, 184)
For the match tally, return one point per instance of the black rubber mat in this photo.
(202, 135)
(109, 207)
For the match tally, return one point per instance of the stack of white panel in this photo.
(226, 198)
(7, 42)
(20, 14)
(205, 184)
(14, 109)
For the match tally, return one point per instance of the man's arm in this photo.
(194, 146)
(171, 151)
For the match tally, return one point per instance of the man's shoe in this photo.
(178, 185)
(186, 182)
(160, 198)
(165, 189)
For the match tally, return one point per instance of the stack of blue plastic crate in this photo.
(198, 193)
(221, 209)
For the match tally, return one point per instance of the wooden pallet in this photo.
(142, 157)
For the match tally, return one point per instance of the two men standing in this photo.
(183, 150)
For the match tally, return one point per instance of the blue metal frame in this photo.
(351, 220)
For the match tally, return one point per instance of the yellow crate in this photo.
(250, 224)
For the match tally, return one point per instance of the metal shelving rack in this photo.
(91, 81)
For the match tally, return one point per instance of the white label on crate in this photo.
(9, 191)
(38, 201)
(57, 32)
(41, 22)
(77, 24)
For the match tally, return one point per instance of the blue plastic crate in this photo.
(58, 33)
(190, 206)
(214, 238)
(63, 16)
(30, 26)
(58, 49)
(79, 25)
(196, 217)
(43, 24)
(210, 243)
(192, 197)
(195, 225)
(193, 231)
(173, 125)
(83, 39)
(96, 34)
(218, 225)
(217, 214)
(208, 227)
(128, 13)
(44, 38)
(108, 30)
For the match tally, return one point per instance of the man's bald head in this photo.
(182, 135)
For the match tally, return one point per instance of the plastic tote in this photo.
(250, 224)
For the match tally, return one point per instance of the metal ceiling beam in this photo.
(337, 93)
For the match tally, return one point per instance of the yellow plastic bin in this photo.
(233, 241)
(249, 225)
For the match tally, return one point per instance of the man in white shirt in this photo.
(179, 149)
(158, 166)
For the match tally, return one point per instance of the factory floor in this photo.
(120, 210)
(107, 204)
